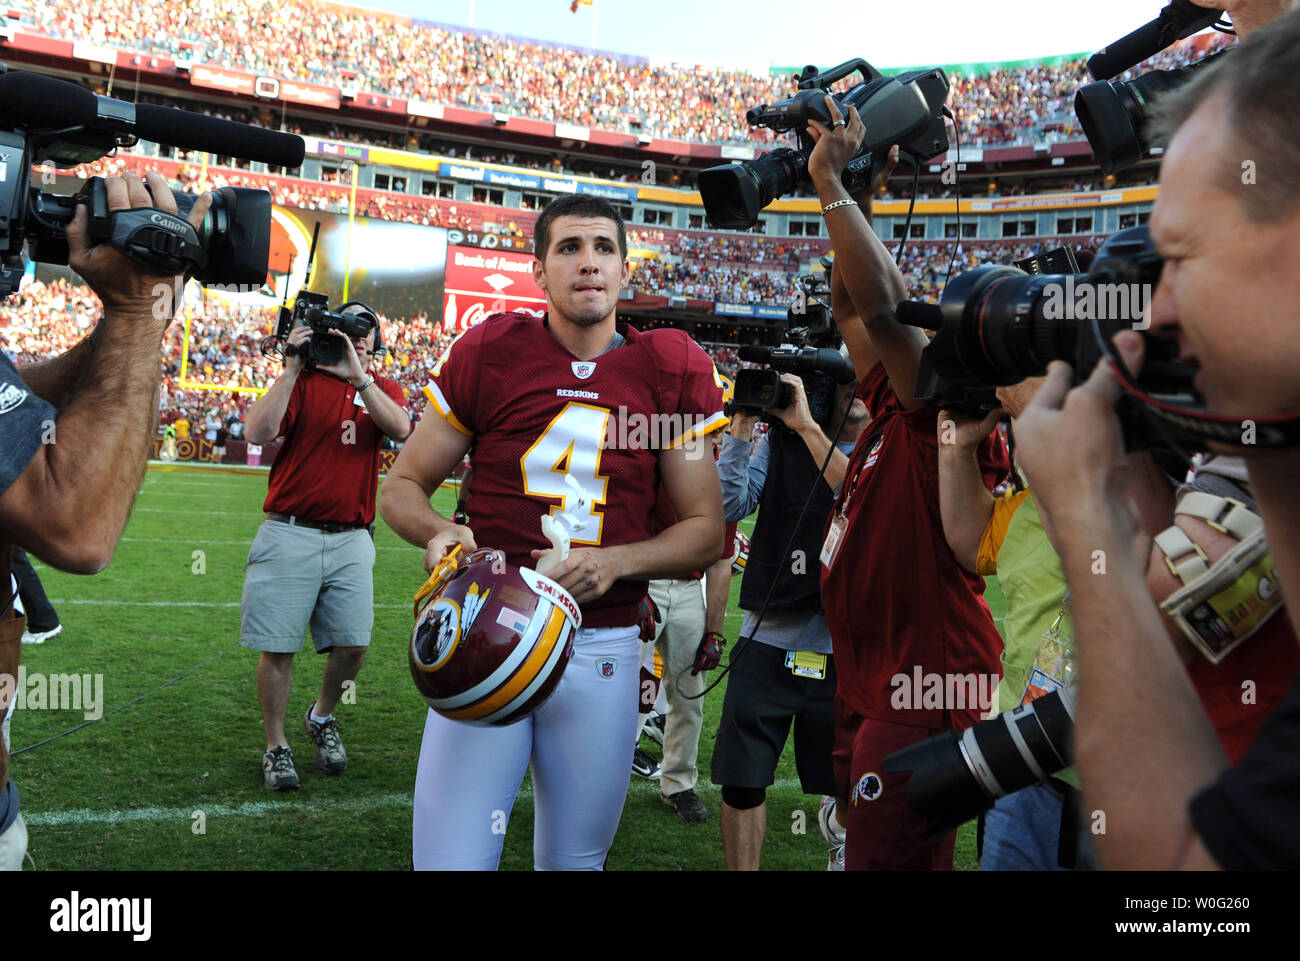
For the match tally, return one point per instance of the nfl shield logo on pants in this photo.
(606, 666)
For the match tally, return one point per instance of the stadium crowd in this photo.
(395, 56)
(224, 337)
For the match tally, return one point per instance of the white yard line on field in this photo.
(256, 809)
(111, 603)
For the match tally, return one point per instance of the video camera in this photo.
(1114, 115)
(48, 120)
(906, 110)
(811, 352)
(323, 349)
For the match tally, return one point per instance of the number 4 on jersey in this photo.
(571, 444)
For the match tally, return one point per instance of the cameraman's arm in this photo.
(262, 422)
(1144, 745)
(387, 414)
(741, 474)
(873, 279)
(70, 503)
(56, 380)
(965, 504)
(861, 351)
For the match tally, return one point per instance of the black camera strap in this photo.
(166, 242)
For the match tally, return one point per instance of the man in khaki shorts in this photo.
(312, 560)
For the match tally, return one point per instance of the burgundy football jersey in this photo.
(328, 467)
(535, 412)
(895, 597)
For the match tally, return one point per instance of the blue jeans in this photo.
(1022, 832)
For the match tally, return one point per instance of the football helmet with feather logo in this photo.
(491, 640)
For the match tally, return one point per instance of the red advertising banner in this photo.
(482, 281)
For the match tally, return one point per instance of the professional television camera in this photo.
(906, 110)
(322, 348)
(1114, 115)
(48, 120)
(811, 351)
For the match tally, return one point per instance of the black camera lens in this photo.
(734, 193)
(958, 774)
(1114, 114)
(236, 233)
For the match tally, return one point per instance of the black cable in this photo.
(956, 169)
(739, 649)
(123, 707)
(907, 224)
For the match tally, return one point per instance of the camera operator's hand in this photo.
(445, 540)
(835, 145)
(297, 339)
(1248, 15)
(796, 416)
(742, 426)
(349, 366)
(1071, 448)
(882, 178)
(961, 434)
(124, 285)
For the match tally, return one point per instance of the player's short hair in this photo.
(1257, 82)
(575, 205)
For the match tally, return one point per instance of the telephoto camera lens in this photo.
(958, 774)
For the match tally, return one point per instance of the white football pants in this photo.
(580, 743)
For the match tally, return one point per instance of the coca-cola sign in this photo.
(482, 282)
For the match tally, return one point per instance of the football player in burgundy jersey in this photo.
(619, 411)
(897, 601)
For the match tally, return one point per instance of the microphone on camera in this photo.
(33, 100)
(1180, 19)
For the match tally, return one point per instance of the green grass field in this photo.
(170, 777)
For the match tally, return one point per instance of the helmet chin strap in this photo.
(1192, 424)
(558, 529)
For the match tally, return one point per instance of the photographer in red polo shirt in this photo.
(897, 601)
(313, 557)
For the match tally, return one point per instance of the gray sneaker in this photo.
(278, 773)
(834, 840)
(330, 755)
